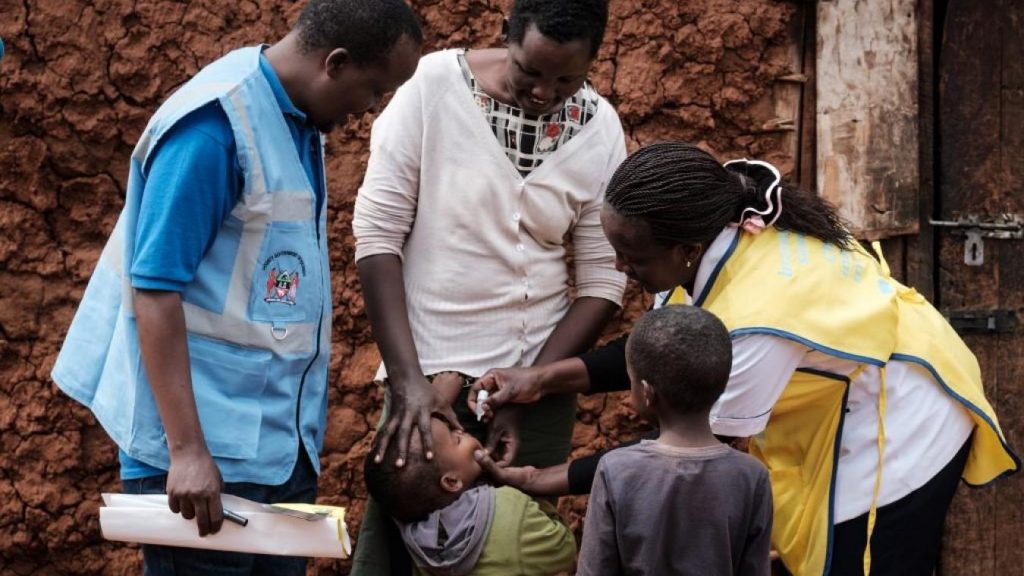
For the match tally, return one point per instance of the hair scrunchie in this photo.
(751, 218)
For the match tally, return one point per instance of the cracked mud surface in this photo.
(77, 85)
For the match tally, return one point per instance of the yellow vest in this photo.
(845, 304)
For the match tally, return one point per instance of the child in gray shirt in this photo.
(684, 503)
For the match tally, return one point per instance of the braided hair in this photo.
(687, 197)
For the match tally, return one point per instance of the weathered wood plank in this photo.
(807, 161)
(969, 133)
(895, 252)
(1010, 368)
(867, 113)
(787, 92)
(969, 540)
(921, 247)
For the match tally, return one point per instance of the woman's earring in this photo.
(688, 263)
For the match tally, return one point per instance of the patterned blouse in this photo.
(529, 139)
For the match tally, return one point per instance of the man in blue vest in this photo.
(201, 343)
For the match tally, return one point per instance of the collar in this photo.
(283, 100)
(712, 259)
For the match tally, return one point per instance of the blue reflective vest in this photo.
(257, 313)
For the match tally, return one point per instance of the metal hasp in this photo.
(975, 228)
(1000, 321)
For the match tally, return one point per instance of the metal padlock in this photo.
(974, 248)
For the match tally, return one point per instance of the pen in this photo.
(235, 517)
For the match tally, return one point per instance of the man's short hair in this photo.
(368, 29)
(561, 20)
(409, 493)
(684, 353)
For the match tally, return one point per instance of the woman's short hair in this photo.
(560, 20)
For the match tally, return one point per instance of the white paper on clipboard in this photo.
(146, 519)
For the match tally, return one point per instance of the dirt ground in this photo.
(77, 85)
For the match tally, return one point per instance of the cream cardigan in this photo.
(483, 249)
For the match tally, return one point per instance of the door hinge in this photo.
(975, 228)
(1000, 321)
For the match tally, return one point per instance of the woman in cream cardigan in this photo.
(483, 167)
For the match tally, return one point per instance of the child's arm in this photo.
(756, 561)
(599, 552)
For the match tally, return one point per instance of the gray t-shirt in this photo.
(659, 510)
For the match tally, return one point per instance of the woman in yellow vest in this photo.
(857, 395)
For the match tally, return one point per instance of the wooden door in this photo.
(980, 172)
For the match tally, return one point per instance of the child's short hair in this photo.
(409, 493)
(684, 353)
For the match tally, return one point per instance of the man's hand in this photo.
(412, 406)
(507, 386)
(503, 435)
(194, 486)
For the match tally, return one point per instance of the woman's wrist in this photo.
(563, 377)
(553, 481)
(403, 378)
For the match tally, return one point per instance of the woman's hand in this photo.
(503, 435)
(412, 406)
(515, 476)
(526, 385)
(552, 481)
(506, 386)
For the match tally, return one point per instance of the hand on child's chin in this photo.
(514, 476)
(503, 436)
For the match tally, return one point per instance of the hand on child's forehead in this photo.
(442, 421)
(437, 424)
(415, 444)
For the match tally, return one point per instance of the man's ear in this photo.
(451, 483)
(336, 61)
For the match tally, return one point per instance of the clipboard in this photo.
(146, 519)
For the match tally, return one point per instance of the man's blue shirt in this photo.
(193, 181)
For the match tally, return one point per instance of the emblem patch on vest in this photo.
(283, 281)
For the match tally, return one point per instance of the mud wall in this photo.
(77, 85)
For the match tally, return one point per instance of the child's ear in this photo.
(451, 483)
(649, 395)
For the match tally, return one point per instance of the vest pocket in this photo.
(228, 382)
(287, 283)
